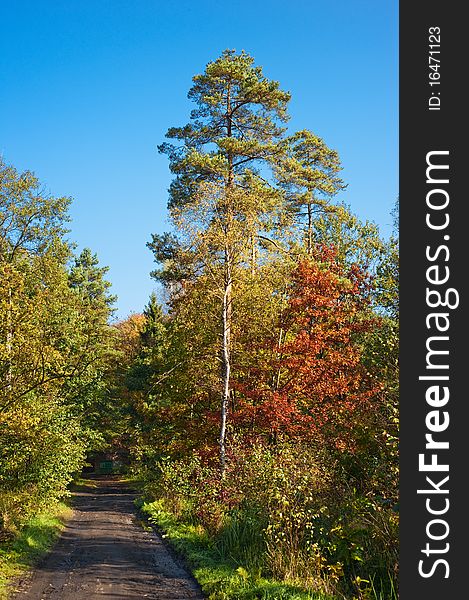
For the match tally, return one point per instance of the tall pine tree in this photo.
(236, 130)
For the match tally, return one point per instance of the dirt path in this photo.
(104, 552)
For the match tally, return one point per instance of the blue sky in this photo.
(89, 88)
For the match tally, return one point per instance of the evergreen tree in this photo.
(309, 173)
(235, 129)
(87, 278)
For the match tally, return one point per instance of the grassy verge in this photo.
(31, 543)
(220, 578)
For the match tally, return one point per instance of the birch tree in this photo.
(235, 132)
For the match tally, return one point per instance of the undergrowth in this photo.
(219, 574)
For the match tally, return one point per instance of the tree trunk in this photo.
(279, 356)
(226, 364)
(9, 342)
(310, 229)
(253, 255)
(227, 294)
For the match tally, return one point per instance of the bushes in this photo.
(288, 512)
(40, 448)
(219, 576)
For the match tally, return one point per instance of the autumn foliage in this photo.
(258, 403)
(269, 417)
(314, 385)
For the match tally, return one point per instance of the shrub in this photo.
(288, 511)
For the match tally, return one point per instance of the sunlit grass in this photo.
(31, 543)
(220, 576)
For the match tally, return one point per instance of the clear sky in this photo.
(88, 89)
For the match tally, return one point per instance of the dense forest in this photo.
(255, 398)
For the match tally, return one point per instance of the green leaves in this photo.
(53, 345)
(87, 279)
(30, 220)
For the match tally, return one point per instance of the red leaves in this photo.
(314, 383)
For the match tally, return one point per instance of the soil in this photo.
(105, 552)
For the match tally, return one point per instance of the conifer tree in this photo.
(235, 129)
(309, 173)
(87, 278)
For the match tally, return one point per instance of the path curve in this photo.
(104, 552)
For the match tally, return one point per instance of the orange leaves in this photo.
(321, 388)
(129, 332)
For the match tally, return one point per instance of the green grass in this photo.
(86, 484)
(220, 577)
(31, 543)
(82, 485)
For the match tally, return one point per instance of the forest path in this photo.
(105, 553)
